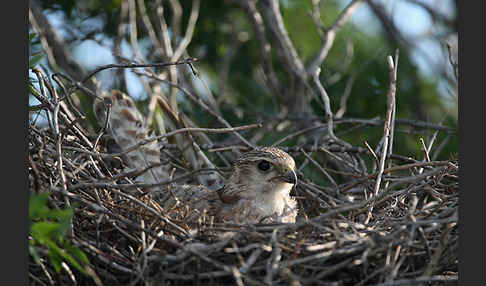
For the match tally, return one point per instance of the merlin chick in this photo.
(258, 190)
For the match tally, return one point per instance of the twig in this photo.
(320, 168)
(300, 132)
(424, 148)
(199, 102)
(274, 260)
(327, 104)
(420, 280)
(142, 204)
(350, 82)
(394, 169)
(272, 17)
(431, 267)
(392, 122)
(189, 129)
(377, 161)
(390, 103)
(136, 65)
(181, 48)
(167, 43)
(150, 28)
(453, 62)
(362, 206)
(345, 96)
(440, 147)
(330, 34)
(132, 16)
(265, 49)
(380, 122)
(105, 125)
(163, 28)
(237, 276)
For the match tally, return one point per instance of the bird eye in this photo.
(264, 165)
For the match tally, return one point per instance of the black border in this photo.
(471, 125)
(14, 165)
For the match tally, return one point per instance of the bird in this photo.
(257, 191)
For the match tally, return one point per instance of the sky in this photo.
(413, 21)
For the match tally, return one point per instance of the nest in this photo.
(406, 233)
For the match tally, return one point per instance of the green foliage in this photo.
(48, 229)
(36, 57)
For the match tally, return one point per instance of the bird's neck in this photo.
(255, 204)
(274, 201)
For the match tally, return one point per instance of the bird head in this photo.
(261, 173)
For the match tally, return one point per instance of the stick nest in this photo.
(344, 235)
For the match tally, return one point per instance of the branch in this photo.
(135, 65)
(270, 11)
(175, 132)
(198, 101)
(328, 39)
(189, 31)
(390, 103)
(265, 47)
(325, 99)
(150, 28)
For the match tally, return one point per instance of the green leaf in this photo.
(34, 59)
(57, 254)
(54, 256)
(78, 253)
(38, 205)
(58, 215)
(64, 217)
(35, 255)
(51, 231)
(44, 230)
(32, 36)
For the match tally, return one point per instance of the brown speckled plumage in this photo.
(257, 191)
(127, 126)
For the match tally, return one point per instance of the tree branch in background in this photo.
(327, 104)
(59, 56)
(330, 34)
(291, 61)
(259, 29)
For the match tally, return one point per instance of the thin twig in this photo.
(377, 161)
(136, 65)
(424, 148)
(320, 168)
(390, 103)
(181, 48)
(330, 35)
(203, 105)
(392, 122)
(327, 104)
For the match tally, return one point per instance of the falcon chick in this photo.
(258, 190)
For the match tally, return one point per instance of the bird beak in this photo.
(290, 177)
